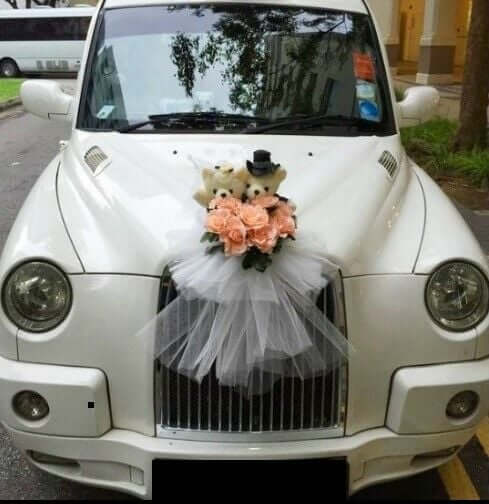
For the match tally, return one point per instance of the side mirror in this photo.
(46, 99)
(418, 106)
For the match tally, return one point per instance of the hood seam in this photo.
(424, 221)
(63, 219)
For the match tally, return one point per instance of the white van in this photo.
(42, 40)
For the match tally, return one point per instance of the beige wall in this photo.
(410, 21)
(411, 28)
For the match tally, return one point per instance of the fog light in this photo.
(30, 405)
(462, 405)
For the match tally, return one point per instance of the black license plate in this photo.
(240, 479)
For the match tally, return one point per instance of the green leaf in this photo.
(248, 261)
(209, 237)
(262, 262)
(214, 248)
(279, 245)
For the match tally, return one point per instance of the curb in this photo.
(14, 102)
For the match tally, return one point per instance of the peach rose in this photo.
(266, 201)
(234, 237)
(217, 220)
(253, 216)
(283, 208)
(264, 238)
(230, 203)
(284, 224)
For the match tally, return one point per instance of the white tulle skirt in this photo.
(242, 324)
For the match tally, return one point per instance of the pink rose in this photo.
(230, 203)
(234, 237)
(283, 208)
(284, 224)
(266, 201)
(217, 220)
(264, 238)
(254, 216)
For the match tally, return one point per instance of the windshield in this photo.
(234, 67)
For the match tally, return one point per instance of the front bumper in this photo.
(415, 429)
(122, 460)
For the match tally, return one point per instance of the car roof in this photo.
(48, 12)
(343, 5)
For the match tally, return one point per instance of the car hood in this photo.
(121, 214)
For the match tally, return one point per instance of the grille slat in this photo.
(288, 404)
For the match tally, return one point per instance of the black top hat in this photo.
(262, 164)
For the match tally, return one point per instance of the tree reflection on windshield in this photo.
(266, 61)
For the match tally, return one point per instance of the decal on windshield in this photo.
(363, 66)
(105, 111)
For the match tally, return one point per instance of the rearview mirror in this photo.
(418, 106)
(46, 99)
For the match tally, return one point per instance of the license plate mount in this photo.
(253, 478)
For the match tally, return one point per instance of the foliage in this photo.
(429, 145)
(31, 3)
(9, 88)
(399, 94)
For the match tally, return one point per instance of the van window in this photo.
(43, 29)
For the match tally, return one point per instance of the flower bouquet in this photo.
(254, 229)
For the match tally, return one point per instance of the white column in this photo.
(386, 13)
(438, 41)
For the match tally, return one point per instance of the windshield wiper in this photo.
(192, 118)
(311, 121)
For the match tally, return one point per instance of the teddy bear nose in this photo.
(257, 192)
(223, 195)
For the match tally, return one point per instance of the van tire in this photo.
(8, 68)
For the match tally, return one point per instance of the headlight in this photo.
(37, 296)
(457, 296)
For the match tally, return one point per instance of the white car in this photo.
(84, 266)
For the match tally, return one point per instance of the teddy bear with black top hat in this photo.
(264, 176)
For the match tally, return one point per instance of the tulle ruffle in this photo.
(242, 324)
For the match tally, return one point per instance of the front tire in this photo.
(8, 68)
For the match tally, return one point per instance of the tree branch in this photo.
(12, 3)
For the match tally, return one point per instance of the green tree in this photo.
(238, 42)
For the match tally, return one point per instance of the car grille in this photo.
(291, 407)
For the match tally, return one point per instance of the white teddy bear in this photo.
(264, 177)
(265, 185)
(222, 181)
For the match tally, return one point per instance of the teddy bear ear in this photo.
(282, 174)
(207, 173)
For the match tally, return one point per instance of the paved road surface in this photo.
(26, 146)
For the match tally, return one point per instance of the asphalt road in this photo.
(27, 144)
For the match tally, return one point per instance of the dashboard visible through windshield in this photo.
(235, 68)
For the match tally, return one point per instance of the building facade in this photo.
(425, 37)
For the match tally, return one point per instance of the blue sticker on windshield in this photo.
(369, 110)
(366, 90)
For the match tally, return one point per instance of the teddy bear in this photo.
(264, 177)
(220, 182)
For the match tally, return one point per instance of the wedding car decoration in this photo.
(255, 225)
(239, 313)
